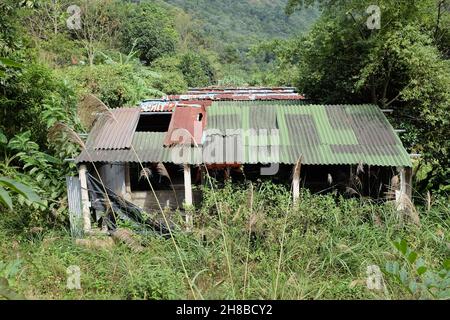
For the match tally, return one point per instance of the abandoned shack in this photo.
(241, 134)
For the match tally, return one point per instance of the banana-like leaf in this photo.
(5, 198)
(21, 189)
(3, 139)
(9, 63)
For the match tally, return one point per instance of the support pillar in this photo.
(188, 195)
(405, 190)
(127, 194)
(82, 172)
(296, 182)
(408, 182)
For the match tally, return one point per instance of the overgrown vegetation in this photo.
(328, 245)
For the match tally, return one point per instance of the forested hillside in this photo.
(247, 21)
(236, 29)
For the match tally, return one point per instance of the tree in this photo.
(401, 65)
(150, 30)
(97, 24)
(197, 70)
(48, 18)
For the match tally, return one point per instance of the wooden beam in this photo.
(127, 182)
(405, 189)
(82, 172)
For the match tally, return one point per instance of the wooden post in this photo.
(187, 185)
(402, 180)
(188, 195)
(127, 195)
(402, 192)
(82, 171)
(408, 182)
(296, 181)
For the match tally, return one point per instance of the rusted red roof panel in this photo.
(186, 126)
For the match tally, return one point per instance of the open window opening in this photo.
(162, 176)
(154, 122)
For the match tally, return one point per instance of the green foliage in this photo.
(197, 70)
(416, 277)
(27, 94)
(149, 29)
(17, 187)
(116, 84)
(8, 272)
(277, 60)
(242, 23)
(402, 65)
(189, 69)
(42, 173)
(328, 245)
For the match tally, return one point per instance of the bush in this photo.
(115, 84)
(197, 69)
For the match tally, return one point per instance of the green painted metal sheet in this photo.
(321, 134)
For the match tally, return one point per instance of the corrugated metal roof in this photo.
(340, 134)
(235, 96)
(169, 106)
(221, 89)
(148, 147)
(114, 130)
(265, 132)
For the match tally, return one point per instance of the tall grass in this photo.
(329, 242)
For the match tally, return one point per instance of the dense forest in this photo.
(53, 53)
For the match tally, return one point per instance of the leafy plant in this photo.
(8, 272)
(416, 277)
(8, 185)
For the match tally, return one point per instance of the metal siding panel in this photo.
(75, 206)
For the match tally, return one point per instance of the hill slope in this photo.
(243, 22)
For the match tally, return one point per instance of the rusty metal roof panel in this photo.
(145, 147)
(186, 125)
(227, 96)
(114, 130)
